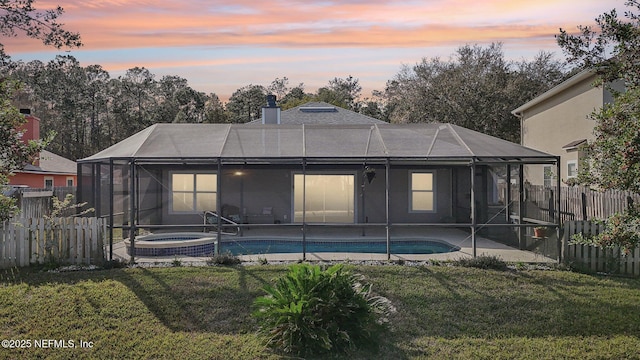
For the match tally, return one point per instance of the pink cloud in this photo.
(106, 24)
(238, 42)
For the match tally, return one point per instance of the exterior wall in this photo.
(399, 197)
(38, 180)
(257, 188)
(559, 120)
(260, 187)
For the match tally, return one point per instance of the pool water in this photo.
(253, 247)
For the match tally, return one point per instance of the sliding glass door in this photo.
(329, 198)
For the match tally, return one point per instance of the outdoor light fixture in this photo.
(238, 173)
(369, 173)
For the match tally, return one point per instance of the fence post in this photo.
(552, 205)
(565, 242)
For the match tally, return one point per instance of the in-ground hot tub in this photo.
(170, 244)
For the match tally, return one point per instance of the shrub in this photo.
(483, 262)
(620, 230)
(176, 262)
(310, 311)
(224, 259)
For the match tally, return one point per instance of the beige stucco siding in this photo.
(557, 121)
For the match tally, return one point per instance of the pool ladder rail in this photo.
(210, 218)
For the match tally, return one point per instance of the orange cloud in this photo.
(227, 40)
(121, 24)
(374, 36)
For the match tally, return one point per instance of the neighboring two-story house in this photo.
(558, 122)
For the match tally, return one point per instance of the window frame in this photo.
(411, 191)
(70, 179)
(49, 178)
(550, 171)
(194, 193)
(572, 162)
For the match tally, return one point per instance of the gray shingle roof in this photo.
(53, 164)
(321, 113)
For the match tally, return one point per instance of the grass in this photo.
(204, 313)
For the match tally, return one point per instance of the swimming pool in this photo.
(205, 244)
(405, 246)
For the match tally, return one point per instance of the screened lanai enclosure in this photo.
(308, 189)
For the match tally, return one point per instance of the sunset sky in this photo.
(222, 45)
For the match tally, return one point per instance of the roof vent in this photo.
(318, 109)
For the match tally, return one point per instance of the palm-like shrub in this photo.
(310, 311)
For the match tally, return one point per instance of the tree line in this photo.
(475, 88)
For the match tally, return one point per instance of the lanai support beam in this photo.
(558, 209)
(304, 209)
(521, 230)
(132, 210)
(508, 196)
(218, 206)
(473, 208)
(111, 206)
(387, 206)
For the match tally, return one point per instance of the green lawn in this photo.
(204, 313)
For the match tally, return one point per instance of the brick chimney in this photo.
(31, 129)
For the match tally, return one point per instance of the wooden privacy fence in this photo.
(577, 202)
(610, 260)
(77, 240)
(589, 204)
(35, 203)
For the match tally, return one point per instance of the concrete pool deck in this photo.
(455, 237)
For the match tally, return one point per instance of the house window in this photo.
(328, 198)
(193, 192)
(572, 168)
(549, 175)
(69, 181)
(48, 182)
(421, 191)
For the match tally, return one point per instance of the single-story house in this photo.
(49, 170)
(314, 168)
